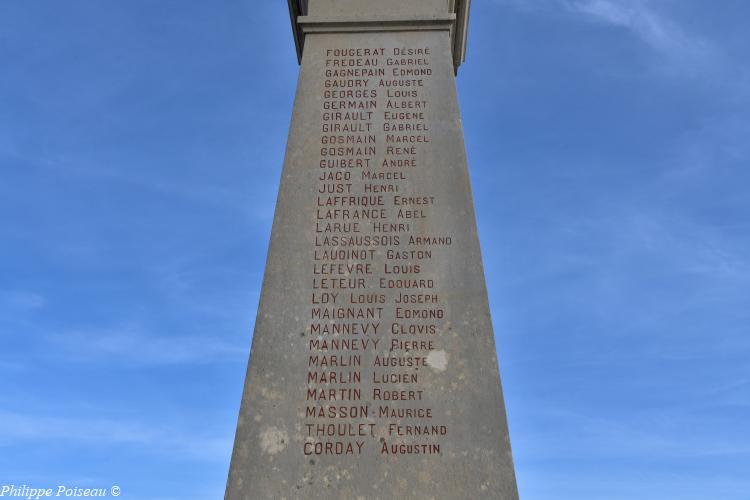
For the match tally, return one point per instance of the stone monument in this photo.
(373, 372)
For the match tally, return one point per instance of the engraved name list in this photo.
(375, 318)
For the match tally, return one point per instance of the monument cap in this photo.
(323, 16)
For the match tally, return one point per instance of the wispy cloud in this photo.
(181, 279)
(718, 145)
(132, 345)
(639, 18)
(16, 428)
(655, 29)
(686, 246)
(22, 299)
(656, 434)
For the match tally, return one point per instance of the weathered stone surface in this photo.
(373, 371)
(381, 7)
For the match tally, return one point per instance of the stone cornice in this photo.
(456, 22)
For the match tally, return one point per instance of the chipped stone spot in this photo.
(258, 417)
(438, 360)
(273, 440)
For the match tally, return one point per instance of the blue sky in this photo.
(140, 148)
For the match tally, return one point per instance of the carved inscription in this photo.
(376, 317)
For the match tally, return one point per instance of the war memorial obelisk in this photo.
(373, 372)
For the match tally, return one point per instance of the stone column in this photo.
(373, 372)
